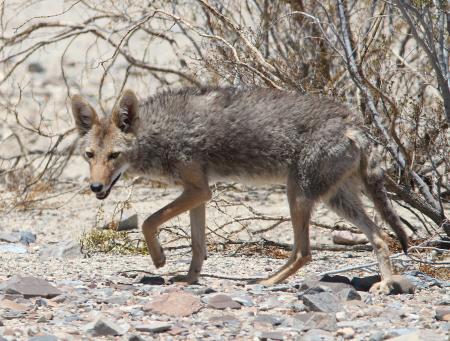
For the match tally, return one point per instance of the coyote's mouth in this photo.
(104, 194)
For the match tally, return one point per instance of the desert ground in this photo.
(122, 296)
(64, 277)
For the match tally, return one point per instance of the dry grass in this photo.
(271, 251)
(111, 241)
(442, 273)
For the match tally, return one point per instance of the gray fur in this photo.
(247, 134)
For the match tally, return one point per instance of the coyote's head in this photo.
(106, 142)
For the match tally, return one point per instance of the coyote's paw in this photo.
(159, 260)
(184, 279)
(393, 286)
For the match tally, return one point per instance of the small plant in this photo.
(105, 237)
(111, 241)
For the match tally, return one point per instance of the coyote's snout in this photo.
(191, 137)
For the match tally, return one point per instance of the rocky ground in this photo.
(49, 290)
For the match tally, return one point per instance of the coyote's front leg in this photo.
(198, 237)
(196, 193)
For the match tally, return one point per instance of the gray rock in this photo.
(199, 290)
(29, 287)
(134, 337)
(423, 281)
(45, 317)
(429, 334)
(272, 335)
(349, 294)
(152, 280)
(273, 320)
(72, 317)
(27, 237)
(399, 332)
(322, 302)
(377, 336)
(270, 303)
(281, 287)
(104, 327)
(12, 314)
(365, 283)
(12, 248)
(118, 299)
(313, 320)
(317, 335)
(298, 306)
(335, 279)
(313, 286)
(128, 222)
(102, 292)
(137, 313)
(414, 336)
(41, 302)
(224, 320)
(444, 326)
(43, 338)
(355, 324)
(153, 327)
(36, 68)
(256, 289)
(10, 237)
(341, 316)
(346, 333)
(444, 300)
(314, 290)
(221, 301)
(245, 300)
(63, 249)
(443, 313)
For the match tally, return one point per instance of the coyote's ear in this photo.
(84, 114)
(125, 113)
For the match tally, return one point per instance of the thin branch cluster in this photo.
(388, 60)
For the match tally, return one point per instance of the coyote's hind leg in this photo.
(347, 204)
(300, 209)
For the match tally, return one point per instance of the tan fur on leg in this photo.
(196, 192)
(300, 209)
(197, 216)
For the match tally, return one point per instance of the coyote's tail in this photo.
(372, 176)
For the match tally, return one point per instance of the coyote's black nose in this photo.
(96, 187)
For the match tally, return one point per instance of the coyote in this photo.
(192, 137)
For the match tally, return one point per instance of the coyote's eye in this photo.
(113, 156)
(89, 155)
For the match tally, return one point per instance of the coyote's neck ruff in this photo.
(192, 137)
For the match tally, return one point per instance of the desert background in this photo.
(75, 268)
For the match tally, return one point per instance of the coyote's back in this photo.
(191, 137)
(242, 133)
